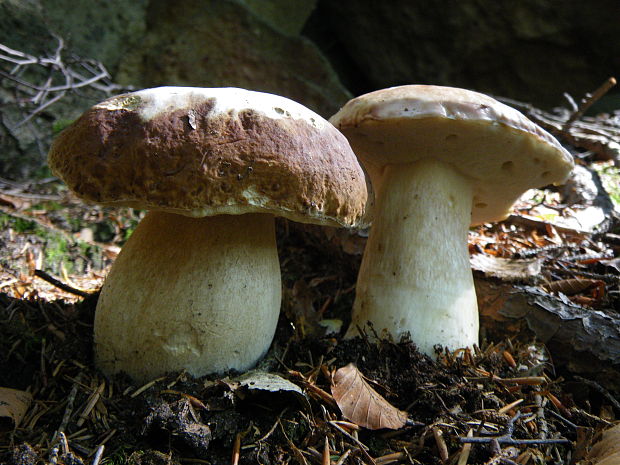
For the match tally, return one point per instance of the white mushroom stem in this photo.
(196, 293)
(415, 275)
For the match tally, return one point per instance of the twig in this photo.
(236, 450)
(298, 453)
(57, 79)
(507, 438)
(602, 390)
(509, 406)
(39, 109)
(362, 446)
(148, 385)
(466, 450)
(60, 285)
(98, 455)
(562, 419)
(593, 135)
(540, 416)
(63, 443)
(326, 453)
(441, 444)
(94, 398)
(273, 428)
(587, 102)
(343, 457)
(390, 458)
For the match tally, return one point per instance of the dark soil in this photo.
(46, 347)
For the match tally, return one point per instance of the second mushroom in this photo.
(440, 159)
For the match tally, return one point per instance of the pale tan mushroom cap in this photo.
(201, 152)
(501, 151)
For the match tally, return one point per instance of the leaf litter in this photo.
(541, 386)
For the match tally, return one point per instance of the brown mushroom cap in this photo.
(496, 147)
(201, 152)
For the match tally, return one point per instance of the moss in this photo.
(60, 124)
(59, 249)
(610, 176)
(21, 225)
(56, 252)
(47, 206)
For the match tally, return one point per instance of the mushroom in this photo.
(440, 159)
(197, 286)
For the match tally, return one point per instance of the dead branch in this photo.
(587, 102)
(65, 287)
(507, 438)
(600, 136)
(38, 82)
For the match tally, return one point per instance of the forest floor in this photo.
(517, 398)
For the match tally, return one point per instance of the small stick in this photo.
(346, 424)
(60, 285)
(348, 435)
(343, 457)
(441, 444)
(506, 438)
(540, 415)
(465, 451)
(602, 390)
(326, 453)
(363, 447)
(526, 380)
(390, 458)
(94, 398)
(588, 101)
(236, 449)
(562, 419)
(70, 401)
(98, 454)
(108, 437)
(507, 407)
(273, 428)
(148, 385)
(63, 443)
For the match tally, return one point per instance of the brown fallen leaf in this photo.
(573, 286)
(507, 269)
(361, 404)
(13, 406)
(607, 450)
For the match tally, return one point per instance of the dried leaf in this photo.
(607, 449)
(13, 405)
(361, 404)
(612, 263)
(572, 286)
(506, 268)
(264, 381)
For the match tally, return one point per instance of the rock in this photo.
(287, 16)
(103, 31)
(221, 43)
(533, 50)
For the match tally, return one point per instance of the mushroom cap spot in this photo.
(210, 151)
(501, 151)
